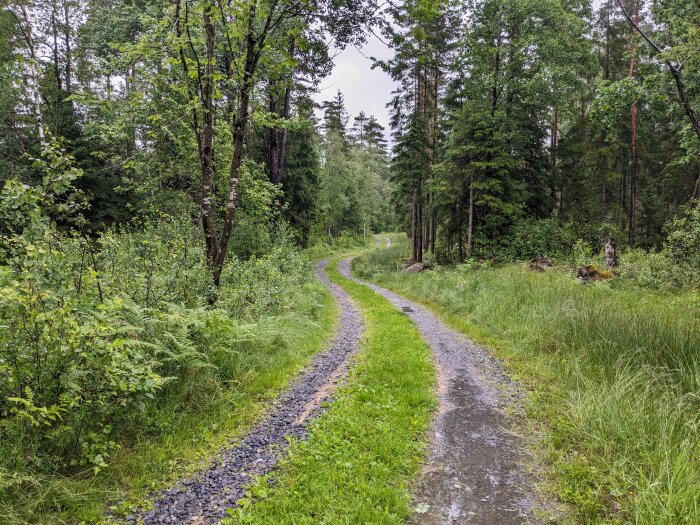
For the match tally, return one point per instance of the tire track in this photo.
(204, 498)
(475, 473)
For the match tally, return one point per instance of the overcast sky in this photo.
(365, 89)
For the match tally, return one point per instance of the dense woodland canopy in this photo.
(511, 112)
(508, 116)
(163, 163)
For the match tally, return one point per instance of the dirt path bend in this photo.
(204, 498)
(475, 473)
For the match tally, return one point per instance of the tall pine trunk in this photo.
(470, 222)
(633, 142)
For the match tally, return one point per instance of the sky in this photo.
(365, 89)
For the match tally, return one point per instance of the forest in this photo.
(227, 298)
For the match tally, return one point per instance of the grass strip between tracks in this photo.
(362, 454)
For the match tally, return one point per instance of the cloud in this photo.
(365, 89)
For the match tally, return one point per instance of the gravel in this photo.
(204, 498)
(476, 470)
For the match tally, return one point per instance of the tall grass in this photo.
(615, 376)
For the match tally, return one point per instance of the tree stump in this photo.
(610, 253)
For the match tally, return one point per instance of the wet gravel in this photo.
(476, 470)
(204, 498)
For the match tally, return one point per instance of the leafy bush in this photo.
(657, 271)
(538, 237)
(161, 261)
(677, 265)
(324, 245)
(72, 365)
(683, 241)
(70, 373)
(257, 214)
(582, 253)
(265, 284)
(102, 338)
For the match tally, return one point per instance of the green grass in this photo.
(614, 374)
(361, 455)
(204, 414)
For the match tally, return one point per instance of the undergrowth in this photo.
(117, 374)
(614, 372)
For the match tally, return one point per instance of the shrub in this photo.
(683, 241)
(70, 373)
(264, 284)
(657, 271)
(96, 333)
(161, 261)
(538, 237)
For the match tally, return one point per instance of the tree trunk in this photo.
(496, 73)
(696, 190)
(460, 244)
(239, 132)
(633, 143)
(470, 224)
(277, 138)
(206, 147)
(272, 147)
(414, 227)
(420, 242)
(610, 253)
(553, 152)
(240, 126)
(54, 50)
(284, 132)
(34, 74)
(66, 37)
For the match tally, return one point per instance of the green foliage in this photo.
(657, 271)
(258, 212)
(532, 238)
(107, 342)
(266, 285)
(684, 239)
(353, 178)
(677, 265)
(158, 261)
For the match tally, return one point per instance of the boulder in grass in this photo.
(416, 268)
(590, 273)
(540, 264)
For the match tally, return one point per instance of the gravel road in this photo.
(475, 474)
(204, 498)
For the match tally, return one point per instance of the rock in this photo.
(590, 273)
(539, 264)
(416, 268)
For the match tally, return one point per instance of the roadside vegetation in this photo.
(362, 454)
(612, 368)
(116, 373)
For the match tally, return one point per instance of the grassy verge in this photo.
(258, 358)
(361, 455)
(614, 374)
